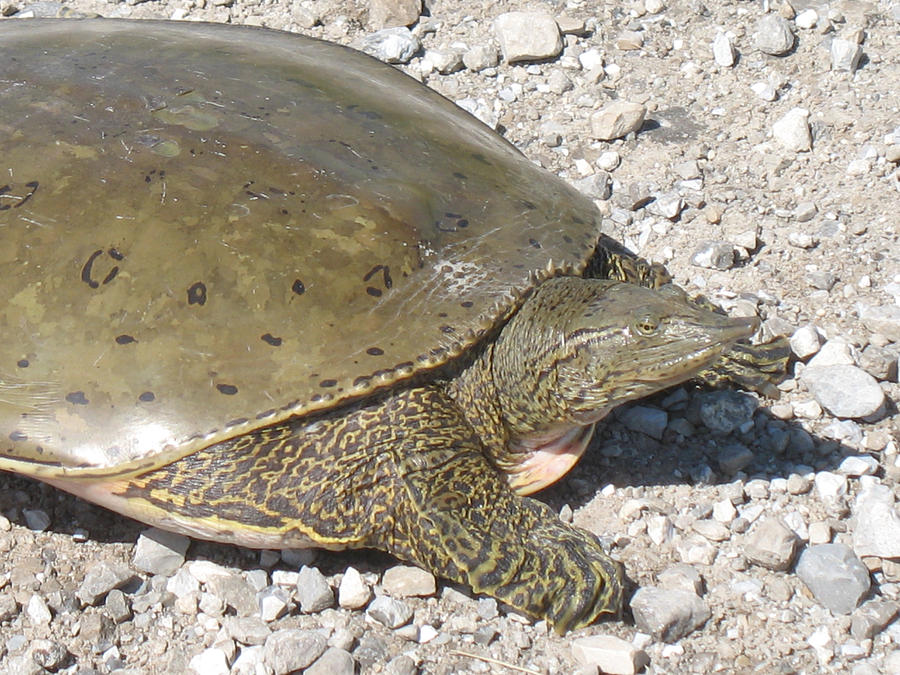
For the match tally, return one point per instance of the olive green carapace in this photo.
(208, 228)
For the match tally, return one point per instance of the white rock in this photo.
(830, 486)
(353, 592)
(764, 90)
(210, 661)
(527, 36)
(38, 612)
(845, 55)
(608, 161)
(590, 59)
(807, 19)
(616, 120)
(876, 523)
(805, 341)
(845, 391)
(822, 644)
(858, 465)
(792, 130)
(610, 654)
(723, 50)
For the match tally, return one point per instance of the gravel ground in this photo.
(768, 182)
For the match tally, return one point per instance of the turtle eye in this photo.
(647, 324)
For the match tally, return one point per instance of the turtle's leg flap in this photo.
(458, 518)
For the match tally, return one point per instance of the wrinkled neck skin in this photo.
(576, 349)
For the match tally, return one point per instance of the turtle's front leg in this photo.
(455, 515)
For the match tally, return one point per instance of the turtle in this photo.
(266, 290)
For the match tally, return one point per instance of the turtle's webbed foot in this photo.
(754, 367)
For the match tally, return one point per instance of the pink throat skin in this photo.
(548, 456)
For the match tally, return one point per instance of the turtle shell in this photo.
(209, 228)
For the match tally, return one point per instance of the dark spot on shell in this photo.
(197, 294)
(17, 436)
(124, 339)
(270, 339)
(115, 255)
(462, 222)
(77, 397)
(22, 363)
(361, 381)
(265, 413)
(227, 389)
(147, 397)
(578, 220)
(447, 329)
(374, 351)
(406, 365)
(442, 315)
(237, 422)
(316, 398)
(567, 239)
(467, 303)
(374, 292)
(535, 243)
(298, 287)
(461, 176)
(528, 205)
(327, 383)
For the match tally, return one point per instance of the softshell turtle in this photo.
(264, 289)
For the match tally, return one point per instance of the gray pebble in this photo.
(774, 35)
(834, 575)
(668, 615)
(724, 411)
(845, 55)
(391, 13)
(273, 602)
(402, 664)
(668, 205)
(772, 545)
(717, 255)
(879, 362)
(160, 552)
(333, 662)
(682, 577)
(805, 341)
(844, 390)
(292, 649)
(117, 606)
(391, 45)
(883, 319)
(389, 611)
(48, 654)
(36, 520)
(527, 36)
(100, 579)
(734, 457)
(233, 591)
(821, 279)
(371, 651)
(647, 420)
(792, 130)
(596, 186)
(872, 617)
(610, 654)
(248, 630)
(97, 629)
(314, 594)
(803, 240)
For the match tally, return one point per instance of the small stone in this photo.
(682, 577)
(879, 362)
(668, 615)
(629, 40)
(834, 575)
(36, 520)
(647, 420)
(723, 51)
(884, 319)
(830, 486)
(392, 13)
(819, 533)
(273, 603)
(480, 57)
(333, 662)
(734, 457)
(609, 160)
(313, 592)
(822, 644)
(805, 341)
(872, 617)
(845, 55)
(210, 661)
(570, 25)
(596, 186)
(443, 61)
(807, 19)
(724, 511)
(616, 120)
(292, 649)
(402, 664)
(717, 255)
(844, 390)
(391, 45)
(389, 611)
(37, 611)
(711, 529)
(803, 240)
(117, 605)
(160, 552)
(774, 35)
(876, 523)
(404, 581)
(353, 593)
(48, 654)
(248, 630)
(233, 591)
(792, 130)
(668, 205)
(100, 579)
(772, 545)
(610, 654)
(724, 411)
(835, 352)
(764, 90)
(527, 36)
(858, 465)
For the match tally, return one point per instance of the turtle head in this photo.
(578, 348)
